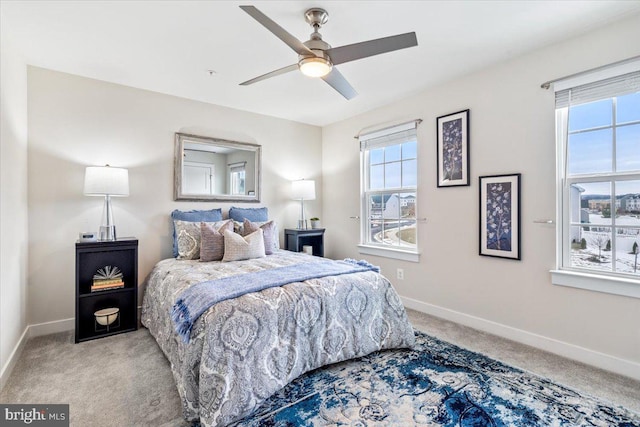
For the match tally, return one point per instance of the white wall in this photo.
(13, 199)
(512, 130)
(75, 122)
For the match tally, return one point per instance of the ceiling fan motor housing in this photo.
(317, 46)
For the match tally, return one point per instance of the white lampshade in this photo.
(304, 189)
(106, 180)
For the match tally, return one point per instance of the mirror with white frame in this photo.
(212, 169)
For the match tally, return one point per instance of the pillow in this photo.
(212, 240)
(237, 248)
(270, 233)
(252, 214)
(188, 238)
(193, 216)
(238, 227)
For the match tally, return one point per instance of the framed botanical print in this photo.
(500, 216)
(453, 149)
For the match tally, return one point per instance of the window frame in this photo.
(366, 246)
(237, 178)
(611, 282)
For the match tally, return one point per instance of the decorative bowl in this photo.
(107, 316)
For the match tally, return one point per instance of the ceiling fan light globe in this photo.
(315, 66)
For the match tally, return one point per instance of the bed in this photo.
(242, 350)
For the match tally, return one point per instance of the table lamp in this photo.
(106, 181)
(304, 189)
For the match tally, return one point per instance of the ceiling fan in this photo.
(316, 58)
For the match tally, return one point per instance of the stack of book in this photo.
(106, 278)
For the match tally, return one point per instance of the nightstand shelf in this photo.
(90, 257)
(295, 239)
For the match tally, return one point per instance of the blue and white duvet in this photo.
(242, 350)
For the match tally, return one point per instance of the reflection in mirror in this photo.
(216, 169)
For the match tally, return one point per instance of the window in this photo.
(236, 177)
(598, 134)
(389, 177)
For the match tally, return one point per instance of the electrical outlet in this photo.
(400, 274)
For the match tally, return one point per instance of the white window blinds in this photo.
(389, 136)
(607, 88)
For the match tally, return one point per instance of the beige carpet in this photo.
(125, 380)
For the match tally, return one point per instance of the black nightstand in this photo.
(295, 239)
(121, 293)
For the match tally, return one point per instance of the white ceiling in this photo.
(168, 46)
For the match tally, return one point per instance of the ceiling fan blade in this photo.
(339, 83)
(351, 52)
(277, 30)
(271, 74)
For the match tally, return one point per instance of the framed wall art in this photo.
(453, 149)
(500, 216)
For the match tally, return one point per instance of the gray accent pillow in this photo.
(212, 240)
(237, 247)
(188, 238)
(238, 227)
(270, 232)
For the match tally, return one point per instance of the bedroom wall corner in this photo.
(76, 122)
(512, 129)
(13, 201)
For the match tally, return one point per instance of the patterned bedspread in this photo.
(245, 349)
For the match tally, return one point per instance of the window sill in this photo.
(390, 253)
(593, 282)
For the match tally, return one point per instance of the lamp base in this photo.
(302, 224)
(107, 233)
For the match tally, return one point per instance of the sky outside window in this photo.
(591, 115)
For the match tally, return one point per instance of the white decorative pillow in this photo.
(270, 234)
(188, 237)
(237, 248)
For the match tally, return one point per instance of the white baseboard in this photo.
(30, 331)
(571, 351)
(47, 328)
(13, 358)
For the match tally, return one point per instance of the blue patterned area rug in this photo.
(436, 384)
